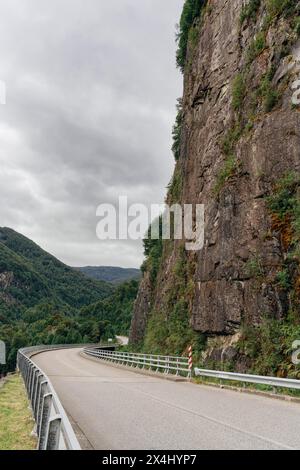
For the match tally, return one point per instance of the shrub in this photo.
(256, 47)
(227, 172)
(176, 133)
(238, 91)
(282, 202)
(297, 25)
(153, 249)
(250, 10)
(269, 346)
(278, 7)
(191, 11)
(268, 93)
(254, 267)
(175, 186)
(231, 138)
(284, 280)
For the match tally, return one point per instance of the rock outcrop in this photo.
(240, 135)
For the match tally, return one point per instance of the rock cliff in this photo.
(239, 155)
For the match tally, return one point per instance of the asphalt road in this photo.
(119, 409)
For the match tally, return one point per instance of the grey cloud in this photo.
(91, 92)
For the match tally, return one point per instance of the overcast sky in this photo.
(91, 94)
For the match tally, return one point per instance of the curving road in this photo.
(118, 409)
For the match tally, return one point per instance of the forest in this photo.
(43, 301)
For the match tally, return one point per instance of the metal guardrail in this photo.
(53, 427)
(248, 378)
(166, 364)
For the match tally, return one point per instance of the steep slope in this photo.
(112, 274)
(236, 142)
(20, 284)
(43, 301)
(29, 275)
(115, 312)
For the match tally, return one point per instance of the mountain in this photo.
(114, 275)
(29, 275)
(236, 148)
(115, 312)
(43, 301)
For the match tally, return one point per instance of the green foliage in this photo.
(256, 47)
(297, 25)
(191, 11)
(175, 186)
(269, 346)
(254, 267)
(283, 202)
(284, 279)
(227, 171)
(250, 10)
(176, 133)
(230, 165)
(169, 331)
(45, 324)
(51, 324)
(284, 205)
(45, 302)
(114, 313)
(37, 275)
(230, 140)
(238, 91)
(15, 417)
(268, 93)
(194, 35)
(279, 7)
(172, 334)
(153, 248)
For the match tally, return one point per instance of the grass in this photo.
(254, 267)
(250, 10)
(227, 171)
(279, 7)
(256, 47)
(16, 421)
(238, 91)
(231, 139)
(268, 93)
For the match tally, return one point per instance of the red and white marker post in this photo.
(190, 360)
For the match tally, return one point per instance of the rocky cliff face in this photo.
(239, 155)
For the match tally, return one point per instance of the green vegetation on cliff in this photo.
(191, 12)
(262, 279)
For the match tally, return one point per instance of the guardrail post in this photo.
(42, 393)
(167, 369)
(33, 385)
(53, 434)
(30, 376)
(44, 426)
(24, 369)
(157, 365)
(36, 394)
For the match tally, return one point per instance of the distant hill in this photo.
(30, 275)
(43, 301)
(111, 274)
